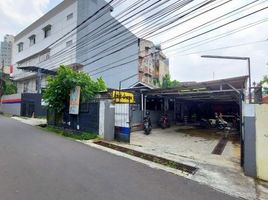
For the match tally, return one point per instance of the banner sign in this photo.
(74, 100)
(123, 97)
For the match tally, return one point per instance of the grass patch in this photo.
(70, 134)
(5, 114)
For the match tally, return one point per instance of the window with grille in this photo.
(20, 47)
(32, 40)
(47, 31)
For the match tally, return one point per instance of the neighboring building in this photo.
(109, 51)
(6, 52)
(153, 64)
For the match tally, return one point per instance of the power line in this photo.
(226, 47)
(132, 40)
(190, 37)
(180, 35)
(205, 41)
(181, 23)
(77, 47)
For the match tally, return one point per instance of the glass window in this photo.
(70, 16)
(25, 86)
(32, 40)
(47, 31)
(20, 47)
(44, 57)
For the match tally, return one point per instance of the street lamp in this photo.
(236, 58)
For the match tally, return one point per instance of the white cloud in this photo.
(192, 67)
(15, 15)
(18, 14)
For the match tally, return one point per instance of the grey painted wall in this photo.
(102, 56)
(250, 147)
(11, 108)
(249, 138)
(106, 119)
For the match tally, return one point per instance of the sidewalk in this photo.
(262, 190)
(31, 121)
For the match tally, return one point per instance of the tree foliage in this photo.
(265, 82)
(57, 93)
(9, 88)
(168, 83)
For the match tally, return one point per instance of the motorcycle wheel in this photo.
(220, 127)
(147, 131)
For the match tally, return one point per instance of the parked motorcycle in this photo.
(221, 124)
(213, 123)
(147, 126)
(164, 121)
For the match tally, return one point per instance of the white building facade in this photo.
(73, 34)
(33, 46)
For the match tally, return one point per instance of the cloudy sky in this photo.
(185, 61)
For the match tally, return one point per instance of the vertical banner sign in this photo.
(74, 100)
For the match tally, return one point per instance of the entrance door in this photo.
(122, 122)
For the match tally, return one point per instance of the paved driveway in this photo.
(35, 165)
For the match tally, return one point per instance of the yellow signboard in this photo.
(123, 97)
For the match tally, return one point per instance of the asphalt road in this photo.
(37, 165)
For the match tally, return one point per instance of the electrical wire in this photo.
(198, 35)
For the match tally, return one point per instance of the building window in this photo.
(44, 57)
(25, 86)
(20, 47)
(70, 16)
(69, 43)
(32, 40)
(47, 31)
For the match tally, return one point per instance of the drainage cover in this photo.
(219, 148)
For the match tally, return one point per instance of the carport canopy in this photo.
(223, 90)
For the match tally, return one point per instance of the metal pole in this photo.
(120, 82)
(144, 104)
(236, 58)
(39, 78)
(249, 81)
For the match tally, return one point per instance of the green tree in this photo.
(9, 88)
(168, 83)
(57, 93)
(6, 85)
(265, 82)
